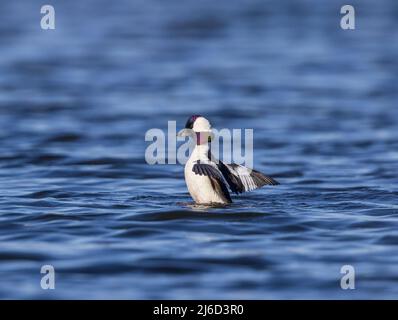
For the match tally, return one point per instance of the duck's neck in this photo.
(201, 151)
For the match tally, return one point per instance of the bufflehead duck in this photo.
(208, 179)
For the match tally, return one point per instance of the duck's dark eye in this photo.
(191, 120)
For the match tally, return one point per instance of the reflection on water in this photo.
(76, 193)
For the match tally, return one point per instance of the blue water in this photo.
(76, 193)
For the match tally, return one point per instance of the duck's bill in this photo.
(185, 133)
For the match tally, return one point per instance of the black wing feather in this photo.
(215, 176)
(234, 183)
(261, 179)
(241, 179)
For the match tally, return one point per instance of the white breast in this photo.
(200, 187)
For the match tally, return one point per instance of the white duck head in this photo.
(199, 127)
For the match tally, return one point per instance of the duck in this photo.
(209, 180)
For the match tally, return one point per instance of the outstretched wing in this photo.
(241, 179)
(216, 179)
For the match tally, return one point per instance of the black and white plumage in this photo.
(207, 179)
